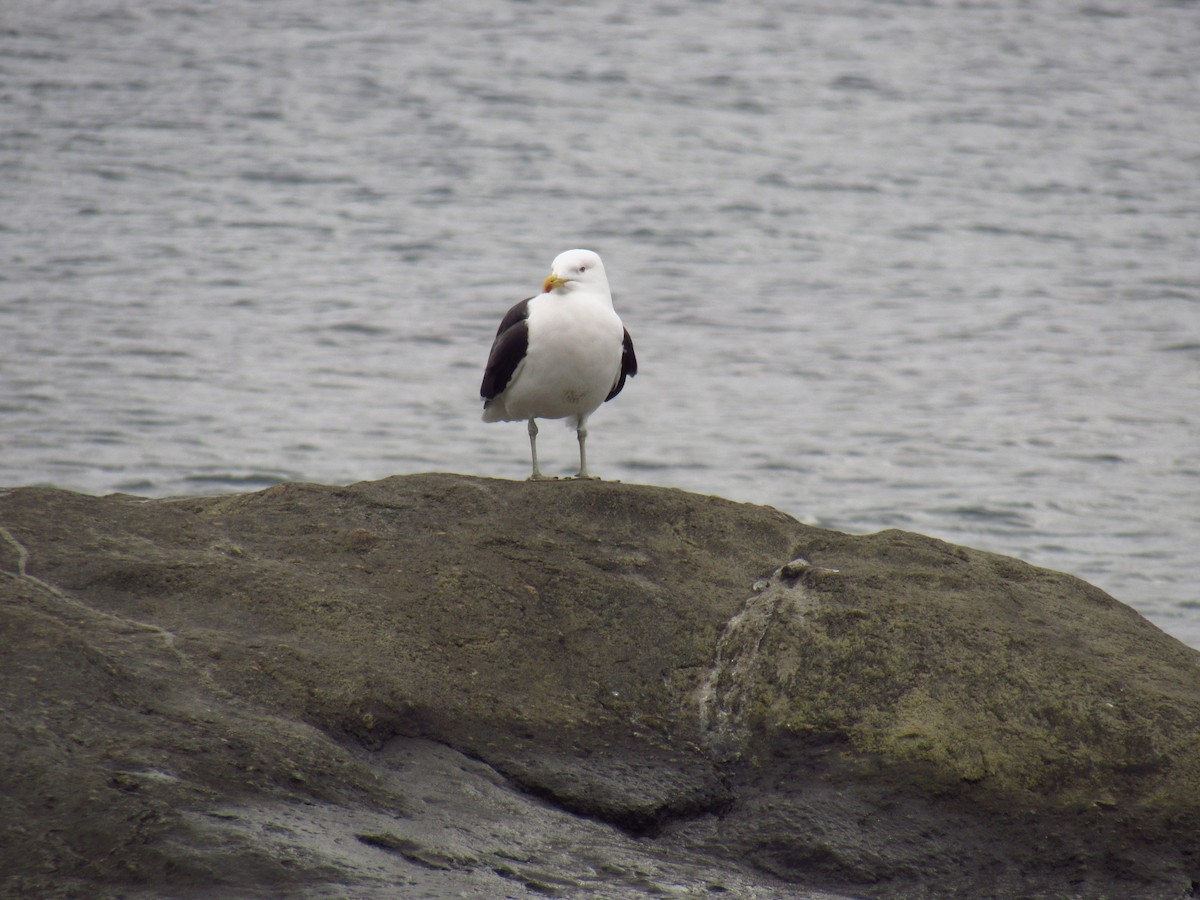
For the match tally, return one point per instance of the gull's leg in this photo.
(536, 475)
(581, 433)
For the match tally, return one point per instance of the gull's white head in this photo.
(576, 268)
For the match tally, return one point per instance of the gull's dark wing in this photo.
(628, 366)
(512, 340)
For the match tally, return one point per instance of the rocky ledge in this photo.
(439, 685)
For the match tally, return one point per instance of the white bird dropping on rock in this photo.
(560, 354)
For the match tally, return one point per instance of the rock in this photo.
(437, 685)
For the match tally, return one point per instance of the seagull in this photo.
(559, 354)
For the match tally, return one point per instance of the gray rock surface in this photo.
(438, 685)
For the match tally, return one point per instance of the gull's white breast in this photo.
(573, 358)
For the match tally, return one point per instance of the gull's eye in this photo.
(582, 269)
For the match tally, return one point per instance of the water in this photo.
(930, 266)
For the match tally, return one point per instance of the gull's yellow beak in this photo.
(552, 281)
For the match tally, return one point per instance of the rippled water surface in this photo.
(929, 266)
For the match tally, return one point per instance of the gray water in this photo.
(931, 266)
